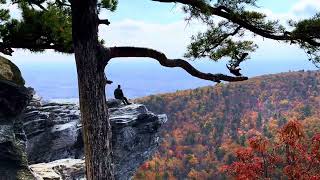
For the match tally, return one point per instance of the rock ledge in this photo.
(53, 133)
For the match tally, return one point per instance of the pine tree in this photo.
(72, 27)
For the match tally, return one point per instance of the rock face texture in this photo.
(14, 97)
(41, 132)
(10, 72)
(135, 137)
(54, 132)
(70, 169)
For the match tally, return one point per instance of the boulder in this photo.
(71, 169)
(10, 72)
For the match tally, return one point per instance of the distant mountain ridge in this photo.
(207, 124)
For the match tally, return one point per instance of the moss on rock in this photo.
(10, 72)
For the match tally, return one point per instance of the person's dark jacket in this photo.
(118, 94)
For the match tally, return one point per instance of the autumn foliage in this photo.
(266, 127)
(290, 156)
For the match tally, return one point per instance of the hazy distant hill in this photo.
(206, 124)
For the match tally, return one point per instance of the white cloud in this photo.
(173, 38)
(170, 38)
(283, 18)
(306, 7)
(301, 10)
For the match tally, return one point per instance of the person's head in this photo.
(119, 86)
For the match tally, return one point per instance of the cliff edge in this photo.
(54, 134)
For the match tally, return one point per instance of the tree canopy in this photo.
(47, 25)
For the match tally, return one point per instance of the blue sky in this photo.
(149, 23)
(162, 27)
(277, 6)
(150, 11)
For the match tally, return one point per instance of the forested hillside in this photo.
(206, 125)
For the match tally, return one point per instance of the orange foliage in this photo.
(208, 125)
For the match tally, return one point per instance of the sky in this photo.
(161, 26)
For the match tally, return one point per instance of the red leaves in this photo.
(258, 143)
(242, 170)
(248, 166)
(315, 149)
(292, 172)
(244, 154)
(291, 133)
(295, 156)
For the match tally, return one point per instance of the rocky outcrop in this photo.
(54, 132)
(10, 72)
(14, 97)
(135, 137)
(70, 169)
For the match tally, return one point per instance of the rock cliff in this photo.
(53, 131)
(14, 97)
(41, 132)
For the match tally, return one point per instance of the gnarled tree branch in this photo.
(117, 52)
(228, 14)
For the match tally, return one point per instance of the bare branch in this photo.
(31, 3)
(104, 21)
(40, 6)
(61, 3)
(107, 81)
(117, 52)
(228, 14)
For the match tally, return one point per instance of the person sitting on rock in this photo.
(118, 94)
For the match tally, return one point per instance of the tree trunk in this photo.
(94, 111)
